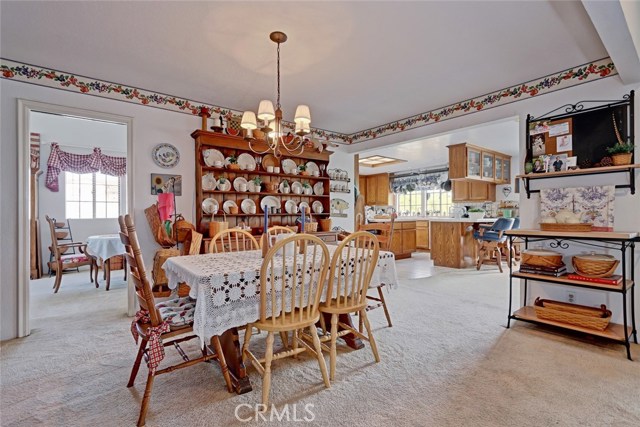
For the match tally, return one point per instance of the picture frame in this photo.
(166, 183)
(557, 163)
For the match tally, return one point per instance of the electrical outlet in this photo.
(571, 297)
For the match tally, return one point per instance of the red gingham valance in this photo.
(81, 163)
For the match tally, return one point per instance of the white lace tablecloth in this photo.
(105, 246)
(226, 286)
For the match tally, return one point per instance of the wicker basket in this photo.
(621, 159)
(310, 227)
(573, 314)
(542, 258)
(554, 226)
(595, 265)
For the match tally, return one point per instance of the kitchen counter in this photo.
(434, 218)
(452, 243)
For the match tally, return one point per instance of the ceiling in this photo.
(357, 64)
(432, 152)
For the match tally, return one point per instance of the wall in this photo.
(151, 126)
(340, 159)
(75, 136)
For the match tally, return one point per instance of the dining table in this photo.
(226, 288)
(104, 247)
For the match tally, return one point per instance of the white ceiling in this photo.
(357, 64)
(432, 152)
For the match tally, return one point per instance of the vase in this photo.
(621, 159)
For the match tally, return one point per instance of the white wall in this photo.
(75, 136)
(340, 159)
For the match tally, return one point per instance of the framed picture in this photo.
(539, 165)
(538, 146)
(163, 183)
(557, 163)
(572, 162)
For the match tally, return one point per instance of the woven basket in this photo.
(621, 159)
(573, 314)
(594, 268)
(542, 258)
(310, 227)
(552, 226)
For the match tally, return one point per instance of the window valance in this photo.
(418, 181)
(81, 163)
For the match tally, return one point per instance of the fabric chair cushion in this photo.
(178, 311)
(74, 258)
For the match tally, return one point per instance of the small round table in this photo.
(105, 246)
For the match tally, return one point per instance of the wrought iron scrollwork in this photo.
(559, 244)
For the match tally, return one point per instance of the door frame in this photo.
(25, 107)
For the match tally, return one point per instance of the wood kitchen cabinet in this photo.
(422, 235)
(473, 191)
(403, 243)
(376, 189)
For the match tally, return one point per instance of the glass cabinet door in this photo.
(487, 165)
(499, 165)
(473, 163)
(506, 170)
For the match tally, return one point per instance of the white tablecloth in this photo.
(105, 246)
(226, 286)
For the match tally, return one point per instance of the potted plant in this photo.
(233, 163)
(257, 182)
(307, 188)
(303, 169)
(476, 213)
(222, 183)
(285, 187)
(621, 153)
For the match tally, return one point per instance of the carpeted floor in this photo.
(447, 361)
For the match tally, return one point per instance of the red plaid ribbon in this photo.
(156, 349)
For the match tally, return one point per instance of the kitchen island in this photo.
(452, 243)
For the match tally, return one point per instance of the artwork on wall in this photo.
(338, 208)
(164, 183)
(593, 204)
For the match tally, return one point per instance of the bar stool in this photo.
(492, 242)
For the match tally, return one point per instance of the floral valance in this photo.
(81, 163)
(419, 181)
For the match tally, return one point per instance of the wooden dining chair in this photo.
(233, 240)
(290, 290)
(165, 324)
(384, 233)
(62, 261)
(350, 274)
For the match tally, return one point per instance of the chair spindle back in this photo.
(233, 240)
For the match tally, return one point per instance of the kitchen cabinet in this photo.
(403, 242)
(473, 191)
(470, 162)
(488, 166)
(422, 235)
(376, 187)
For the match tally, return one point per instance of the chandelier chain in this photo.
(278, 101)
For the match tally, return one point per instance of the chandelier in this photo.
(272, 125)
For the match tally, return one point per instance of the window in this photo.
(421, 202)
(91, 195)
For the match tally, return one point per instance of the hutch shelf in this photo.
(235, 145)
(620, 241)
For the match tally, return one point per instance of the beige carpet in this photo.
(447, 361)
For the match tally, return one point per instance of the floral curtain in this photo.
(81, 163)
(418, 181)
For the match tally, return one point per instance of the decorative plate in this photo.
(270, 160)
(317, 207)
(209, 182)
(228, 204)
(290, 207)
(318, 189)
(246, 161)
(246, 205)
(288, 166)
(166, 155)
(303, 205)
(240, 180)
(211, 156)
(313, 167)
(224, 186)
(296, 184)
(210, 206)
(253, 187)
(269, 201)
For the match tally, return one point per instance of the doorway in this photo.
(85, 204)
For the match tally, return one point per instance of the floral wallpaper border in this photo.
(66, 81)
